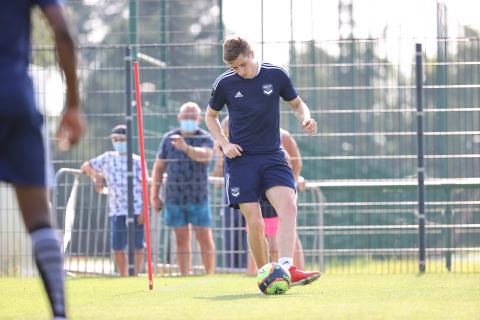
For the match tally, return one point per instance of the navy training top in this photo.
(254, 106)
(16, 89)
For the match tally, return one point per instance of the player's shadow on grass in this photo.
(245, 296)
(232, 297)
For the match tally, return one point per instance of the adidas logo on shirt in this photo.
(239, 95)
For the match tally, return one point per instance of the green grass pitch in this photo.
(401, 296)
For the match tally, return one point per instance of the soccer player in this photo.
(255, 164)
(22, 154)
(270, 217)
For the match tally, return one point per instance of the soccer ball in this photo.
(272, 278)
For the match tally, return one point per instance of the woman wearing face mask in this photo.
(184, 154)
(111, 167)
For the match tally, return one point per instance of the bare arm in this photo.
(302, 113)
(213, 124)
(95, 175)
(218, 167)
(71, 125)
(291, 147)
(87, 168)
(200, 154)
(158, 170)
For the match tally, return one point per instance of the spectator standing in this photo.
(184, 154)
(111, 167)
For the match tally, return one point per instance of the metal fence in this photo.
(350, 236)
(81, 216)
(363, 158)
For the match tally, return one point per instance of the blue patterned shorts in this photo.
(197, 214)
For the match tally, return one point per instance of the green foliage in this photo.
(347, 82)
(452, 68)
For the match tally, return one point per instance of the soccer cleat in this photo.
(302, 278)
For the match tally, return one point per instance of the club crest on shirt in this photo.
(267, 89)
(235, 191)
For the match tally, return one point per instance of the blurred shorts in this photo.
(179, 215)
(271, 226)
(22, 153)
(119, 233)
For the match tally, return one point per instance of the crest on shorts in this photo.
(267, 89)
(235, 191)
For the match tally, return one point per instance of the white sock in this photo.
(285, 262)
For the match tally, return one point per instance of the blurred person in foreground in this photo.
(111, 167)
(270, 216)
(255, 166)
(184, 154)
(22, 150)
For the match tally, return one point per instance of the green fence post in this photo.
(449, 232)
(163, 53)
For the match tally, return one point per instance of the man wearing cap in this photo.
(184, 154)
(111, 167)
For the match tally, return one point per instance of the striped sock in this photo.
(48, 258)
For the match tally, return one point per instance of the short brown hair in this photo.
(233, 47)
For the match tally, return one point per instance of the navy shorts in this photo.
(119, 233)
(249, 176)
(22, 153)
(179, 215)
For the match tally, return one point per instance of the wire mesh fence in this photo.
(362, 161)
(81, 216)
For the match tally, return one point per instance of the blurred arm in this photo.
(66, 51)
(71, 126)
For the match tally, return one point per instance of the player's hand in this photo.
(309, 126)
(141, 218)
(301, 184)
(232, 150)
(179, 143)
(70, 129)
(157, 203)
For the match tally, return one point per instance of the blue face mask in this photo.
(120, 146)
(189, 125)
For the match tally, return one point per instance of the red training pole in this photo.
(144, 171)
